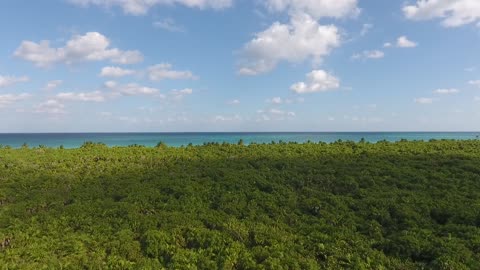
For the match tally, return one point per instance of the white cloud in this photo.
(275, 114)
(170, 25)
(8, 99)
(116, 72)
(316, 8)
(275, 100)
(423, 100)
(387, 45)
(366, 28)
(446, 91)
(376, 54)
(141, 7)
(470, 69)
(475, 83)
(131, 89)
(477, 99)
(302, 39)
(51, 85)
(92, 46)
(180, 94)
(6, 81)
(223, 118)
(50, 106)
(95, 96)
(233, 102)
(105, 114)
(404, 42)
(165, 71)
(317, 81)
(453, 13)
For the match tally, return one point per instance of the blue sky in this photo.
(239, 65)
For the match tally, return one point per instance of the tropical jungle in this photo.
(343, 205)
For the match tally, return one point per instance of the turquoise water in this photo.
(73, 140)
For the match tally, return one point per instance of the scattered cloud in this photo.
(387, 45)
(317, 81)
(376, 54)
(51, 106)
(223, 118)
(302, 39)
(475, 83)
(164, 71)
(95, 96)
(141, 7)
(9, 99)
(476, 98)
(92, 46)
(453, 13)
(6, 81)
(470, 69)
(404, 42)
(131, 89)
(446, 91)
(233, 102)
(105, 114)
(115, 72)
(423, 100)
(180, 94)
(316, 9)
(275, 114)
(275, 100)
(170, 25)
(52, 85)
(365, 29)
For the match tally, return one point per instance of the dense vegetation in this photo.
(405, 205)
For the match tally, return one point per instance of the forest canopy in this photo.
(404, 205)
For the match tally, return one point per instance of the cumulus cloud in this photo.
(475, 83)
(423, 100)
(51, 106)
(51, 85)
(233, 102)
(180, 94)
(115, 72)
(302, 39)
(275, 114)
(366, 28)
(375, 54)
(6, 81)
(387, 45)
(317, 81)
(95, 96)
(316, 8)
(165, 71)
(131, 89)
(223, 118)
(141, 7)
(92, 46)
(275, 100)
(170, 25)
(8, 99)
(404, 42)
(453, 13)
(444, 91)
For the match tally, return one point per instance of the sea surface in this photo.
(74, 140)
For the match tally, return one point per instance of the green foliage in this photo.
(345, 205)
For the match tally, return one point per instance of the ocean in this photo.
(74, 140)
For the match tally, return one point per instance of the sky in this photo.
(239, 65)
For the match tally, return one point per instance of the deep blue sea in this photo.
(73, 140)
